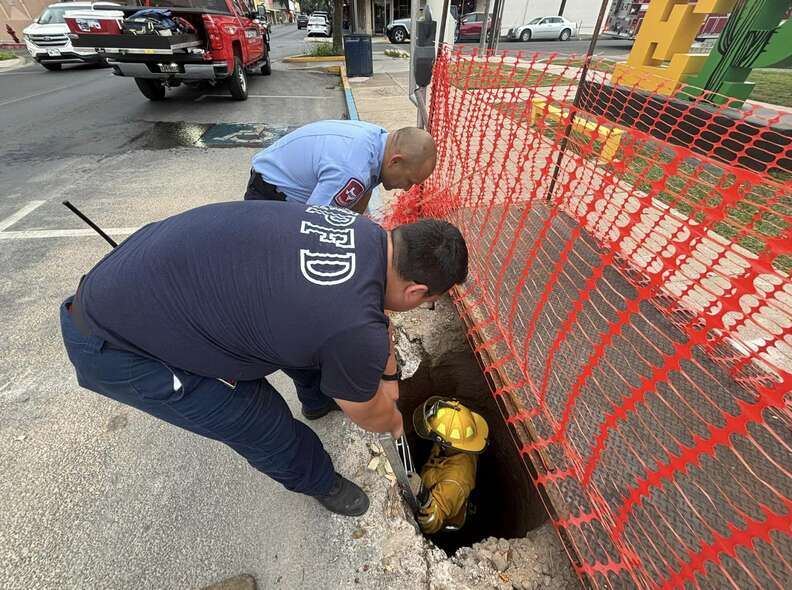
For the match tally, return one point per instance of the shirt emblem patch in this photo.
(350, 194)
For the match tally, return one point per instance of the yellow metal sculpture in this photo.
(659, 59)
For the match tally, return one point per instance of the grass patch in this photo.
(693, 190)
(577, 62)
(323, 50)
(773, 86)
(479, 76)
(4, 55)
(397, 53)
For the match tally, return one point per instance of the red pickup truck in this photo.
(211, 41)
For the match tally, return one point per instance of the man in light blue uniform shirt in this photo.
(339, 163)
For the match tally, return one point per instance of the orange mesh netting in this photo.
(634, 316)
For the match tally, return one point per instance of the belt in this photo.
(77, 316)
(265, 190)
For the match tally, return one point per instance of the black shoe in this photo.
(346, 498)
(320, 413)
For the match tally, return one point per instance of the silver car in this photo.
(398, 31)
(544, 27)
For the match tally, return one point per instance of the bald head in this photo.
(410, 158)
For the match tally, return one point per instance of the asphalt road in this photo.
(93, 494)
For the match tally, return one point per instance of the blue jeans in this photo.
(252, 419)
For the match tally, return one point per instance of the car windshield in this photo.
(213, 5)
(53, 16)
(535, 21)
(317, 20)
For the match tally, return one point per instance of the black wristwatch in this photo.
(393, 376)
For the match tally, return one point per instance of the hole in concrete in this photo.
(507, 504)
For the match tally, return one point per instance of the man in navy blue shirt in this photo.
(339, 163)
(186, 318)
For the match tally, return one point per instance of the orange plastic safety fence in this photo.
(640, 314)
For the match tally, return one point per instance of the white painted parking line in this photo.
(28, 97)
(30, 207)
(64, 233)
(301, 97)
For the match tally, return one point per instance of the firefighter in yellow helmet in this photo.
(449, 475)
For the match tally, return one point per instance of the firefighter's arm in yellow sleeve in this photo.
(449, 484)
(446, 499)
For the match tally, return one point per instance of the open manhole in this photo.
(506, 503)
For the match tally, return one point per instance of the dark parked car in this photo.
(302, 21)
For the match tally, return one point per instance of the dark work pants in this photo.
(252, 419)
(259, 189)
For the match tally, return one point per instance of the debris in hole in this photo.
(534, 562)
(427, 335)
(379, 463)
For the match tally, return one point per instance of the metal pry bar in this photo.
(90, 223)
(392, 453)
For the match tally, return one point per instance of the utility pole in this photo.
(581, 83)
(562, 7)
(484, 25)
(338, 21)
(497, 18)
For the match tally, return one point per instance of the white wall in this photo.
(517, 12)
(437, 8)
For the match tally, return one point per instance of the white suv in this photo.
(318, 25)
(47, 38)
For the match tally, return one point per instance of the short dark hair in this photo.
(430, 252)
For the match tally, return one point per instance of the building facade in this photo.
(280, 11)
(367, 16)
(374, 15)
(18, 14)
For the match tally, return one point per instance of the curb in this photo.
(375, 204)
(348, 96)
(10, 64)
(14, 64)
(309, 58)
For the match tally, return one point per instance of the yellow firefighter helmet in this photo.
(450, 424)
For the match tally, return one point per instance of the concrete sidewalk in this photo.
(383, 100)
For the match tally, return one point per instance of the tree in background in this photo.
(309, 6)
(338, 20)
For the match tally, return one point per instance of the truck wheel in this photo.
(51, 67)
(266, 69)
(151, 89)
(398, 35)
(237, 83)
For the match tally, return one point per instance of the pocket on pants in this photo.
(154, 380)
